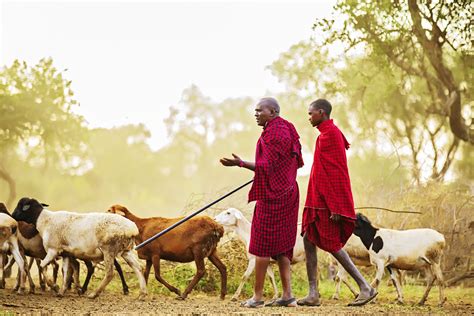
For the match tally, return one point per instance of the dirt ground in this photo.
(110, 303)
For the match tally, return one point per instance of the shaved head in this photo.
(270, 103)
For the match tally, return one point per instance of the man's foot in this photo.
(309, 301)
(251, 303)
(291, 302)
(362, 300)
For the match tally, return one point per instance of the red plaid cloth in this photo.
(277, 158)
(329, 191)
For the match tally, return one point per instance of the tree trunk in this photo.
(11, 185)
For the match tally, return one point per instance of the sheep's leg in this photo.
(247, 273)
(396, 284)
(50, 256)
(55, 271)
(90, 271)
(10, 262)
(41, 278)
(222, 269)
(200, 271)
(120, 272)
(436, 268)
(65, 275)
(271, 276)
(2, 268)
(429, 284)
(44, 271)
(109, 274)
(132, 261)
(75, 276)
(30, 280)
(380, 265)
(147, 270)
(156, 265)
(15, 250)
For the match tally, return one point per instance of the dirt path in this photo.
(45, 303)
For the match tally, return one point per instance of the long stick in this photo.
(385, 209)
(149, 240)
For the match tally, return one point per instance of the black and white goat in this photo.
(412, 249)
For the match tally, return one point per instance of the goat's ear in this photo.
(45, 205)
(238, 214)
(25, 207)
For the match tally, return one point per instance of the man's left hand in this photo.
(335, 217)
(230, 162)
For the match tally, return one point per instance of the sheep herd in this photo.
(44, 236)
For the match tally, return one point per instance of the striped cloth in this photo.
(277, 158)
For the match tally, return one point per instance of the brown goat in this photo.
(193, 240)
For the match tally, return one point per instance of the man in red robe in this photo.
(329, 216)
(275, 190)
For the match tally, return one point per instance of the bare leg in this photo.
(285, 276)
(346, 262)
(261, 265)
(311, 269)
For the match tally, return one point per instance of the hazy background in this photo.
(135, 102)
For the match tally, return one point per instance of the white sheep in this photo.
(9, 243)
(92, 236)
(233, 220)
(412, 249)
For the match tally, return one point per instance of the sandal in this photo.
(362, 301)
(251, 303)
(305, 302)
(291, 302)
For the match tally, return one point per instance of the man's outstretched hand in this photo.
(231, 162)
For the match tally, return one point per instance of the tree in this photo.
(36, 120)
(428, 40)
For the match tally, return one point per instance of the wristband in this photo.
(241, 164)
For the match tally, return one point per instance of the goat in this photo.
(92, 236)
(193, 240)
(412, 249)
(233, 220)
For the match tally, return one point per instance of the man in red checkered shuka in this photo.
(329, 216)
(275, 190)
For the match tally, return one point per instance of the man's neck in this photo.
(324, 120)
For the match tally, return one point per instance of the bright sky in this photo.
(129, 61)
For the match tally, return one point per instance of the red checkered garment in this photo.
(277, 158)
(329, 191)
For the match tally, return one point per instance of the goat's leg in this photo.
(109, 273)
(396, 283)
(200, 271)
(10, 262)
(436, 268)
(429, 283)
(132, 261)
(55, 271)
(222, 269)
(90, 271)
(51, 254)
(120, 272)
(156, 265)
(44, 271)
(247, 273)
(147, 270)
(271, 276)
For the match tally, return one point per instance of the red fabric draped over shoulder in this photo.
(329, 191)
